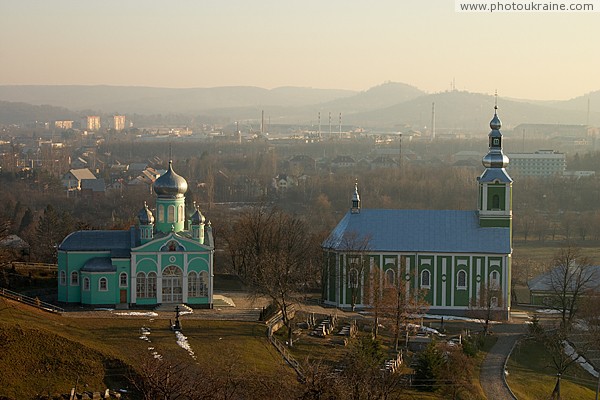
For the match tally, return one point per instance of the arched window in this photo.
(86, 284)
(180, 214)
(461, 279)
(103, 284)
(496, 202)
(425, 279)
(203, 284)
(151, 285)
(171, 214)
(390, 278)
(494, 302)
(140, 285)
(353, 278)
(494, 280)
(62, 278)
(123, 280)
(74, 278)
(161, 213)
(193, 284)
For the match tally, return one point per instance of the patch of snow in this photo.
(104, 309)
(138, 314)
(183, 343)
(456, 318)
(145, 332)
(186, 312)
(547, 311)
(570, 351)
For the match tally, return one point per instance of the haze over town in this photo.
(335, 44)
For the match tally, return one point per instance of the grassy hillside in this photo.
(41, 353)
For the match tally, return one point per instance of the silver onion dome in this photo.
(170, 184)
(495, 158)
(197, 217)
(145, 216)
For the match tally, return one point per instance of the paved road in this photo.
(492, 369)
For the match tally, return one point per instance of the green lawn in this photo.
(531, 378)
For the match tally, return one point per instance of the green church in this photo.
(452, 258)
(158, 261)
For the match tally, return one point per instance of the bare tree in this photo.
(401, 303)
(276, 255)
(554, 341)
(486, 306)
(571, 279)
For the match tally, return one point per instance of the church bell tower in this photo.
(495, 185)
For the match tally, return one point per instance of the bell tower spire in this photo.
(495, 185)
(355, 200)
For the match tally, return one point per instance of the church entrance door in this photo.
(172, 285)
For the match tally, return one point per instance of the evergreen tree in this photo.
(430, 365)
(48, 235)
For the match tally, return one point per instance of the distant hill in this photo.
(390, 105)
(19, 113)
(464, 110)
(147, 100)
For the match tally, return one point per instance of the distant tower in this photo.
(319, 119)
(330, 124)
(432, 121)
(340, 125)
(495, 185)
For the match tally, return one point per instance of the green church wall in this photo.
(198, 300)
(103, 297)
(198, 262)
(146, 264)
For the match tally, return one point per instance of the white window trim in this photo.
(76, 281)
(86, 284)
(62, 278)
(458, 286)
(100, 284)
(386, 281)
(126, 280)
(428, 286)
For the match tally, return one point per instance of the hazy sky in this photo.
(343, 44)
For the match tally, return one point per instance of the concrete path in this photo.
(492, 377)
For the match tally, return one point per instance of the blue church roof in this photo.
(99, 264)
(440, 231)
(119, 243)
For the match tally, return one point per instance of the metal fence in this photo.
(30, 301)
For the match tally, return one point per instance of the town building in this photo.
(92, 123)
(543, 163)
(118, 122)
(63, 124)
(155, 262)
(453, 258)
(72, 179)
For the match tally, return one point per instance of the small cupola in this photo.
(145, 216)
(355, 200)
